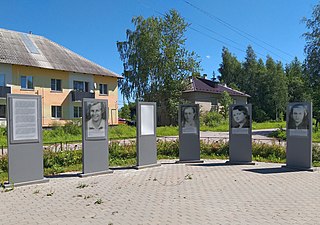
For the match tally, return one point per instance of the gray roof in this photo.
(204, 85)
(33, 50)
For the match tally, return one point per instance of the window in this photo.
(81, 86)
(27, 82)
(2, 80)
(56, 111)
(55, 85)
(103, 89)
(77, 111)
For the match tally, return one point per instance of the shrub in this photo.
(4, 163)
(315, 153)
(168, 148)
(279, 133)
(214, 149)
(271, 152)
(73, 127)
(122, 150)
(212, 119)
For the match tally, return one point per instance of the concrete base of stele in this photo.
(137, 167)
(189, 161)
(240, 163)
(296, 168)
(9, 185)
(95, 173)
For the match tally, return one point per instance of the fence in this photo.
(77, 144)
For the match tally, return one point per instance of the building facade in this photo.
(207, 94)
(32, 64)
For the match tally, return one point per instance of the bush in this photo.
(315, 153)
(4, 163)
(280, 133)
(73, 127)
(168, 148)
(212, 119)
(214, 149)
(273, 152)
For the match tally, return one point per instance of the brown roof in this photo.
(32, 50)
(204, 85)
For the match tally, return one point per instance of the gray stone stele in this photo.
(95, 151)
(25, 156)
(240, 145)
(146, 144)
(299, 148)
(189, 143)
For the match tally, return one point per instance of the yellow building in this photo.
(32, 64)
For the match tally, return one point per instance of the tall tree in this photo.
(156, 62)
(230, 69)
(312, 65)
(276, 89)
(296, 83)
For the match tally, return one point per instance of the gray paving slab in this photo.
(207, 193)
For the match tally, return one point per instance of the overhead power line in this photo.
(239, 31)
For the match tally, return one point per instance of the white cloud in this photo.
(208, 56)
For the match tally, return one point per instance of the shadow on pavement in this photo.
(75, 174)
(209, 164)
(122, 168)
(272, 170)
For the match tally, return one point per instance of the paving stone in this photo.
(208, 193)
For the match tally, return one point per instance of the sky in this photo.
(92, 28)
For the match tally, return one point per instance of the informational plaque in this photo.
(147, 119)
(24, 119)
(146, 135)
(25, 149)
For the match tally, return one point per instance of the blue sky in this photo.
(92, 28)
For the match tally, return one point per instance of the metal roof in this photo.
(33, 50)
(204, 85)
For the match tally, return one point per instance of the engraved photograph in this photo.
(298, 117)
(95, 119)
(240, 117)
(189, 119)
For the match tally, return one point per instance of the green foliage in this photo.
(280, 133)
(168, 148)
(316, 153)
(273, 152)
(214, 149)
(4, 163)
(156, 62)
(122, 131)
(311, 65)
(212, 119)
(230, 68)
(120, 150)
(167, 131)
(124, 112)
(225, 101)
(54, 162)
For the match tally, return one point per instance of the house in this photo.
(32, 64)
(207, 93)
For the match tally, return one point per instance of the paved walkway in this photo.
(209, 193)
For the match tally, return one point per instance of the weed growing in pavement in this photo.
(81, 185)
(98, 201)
(188, 177)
